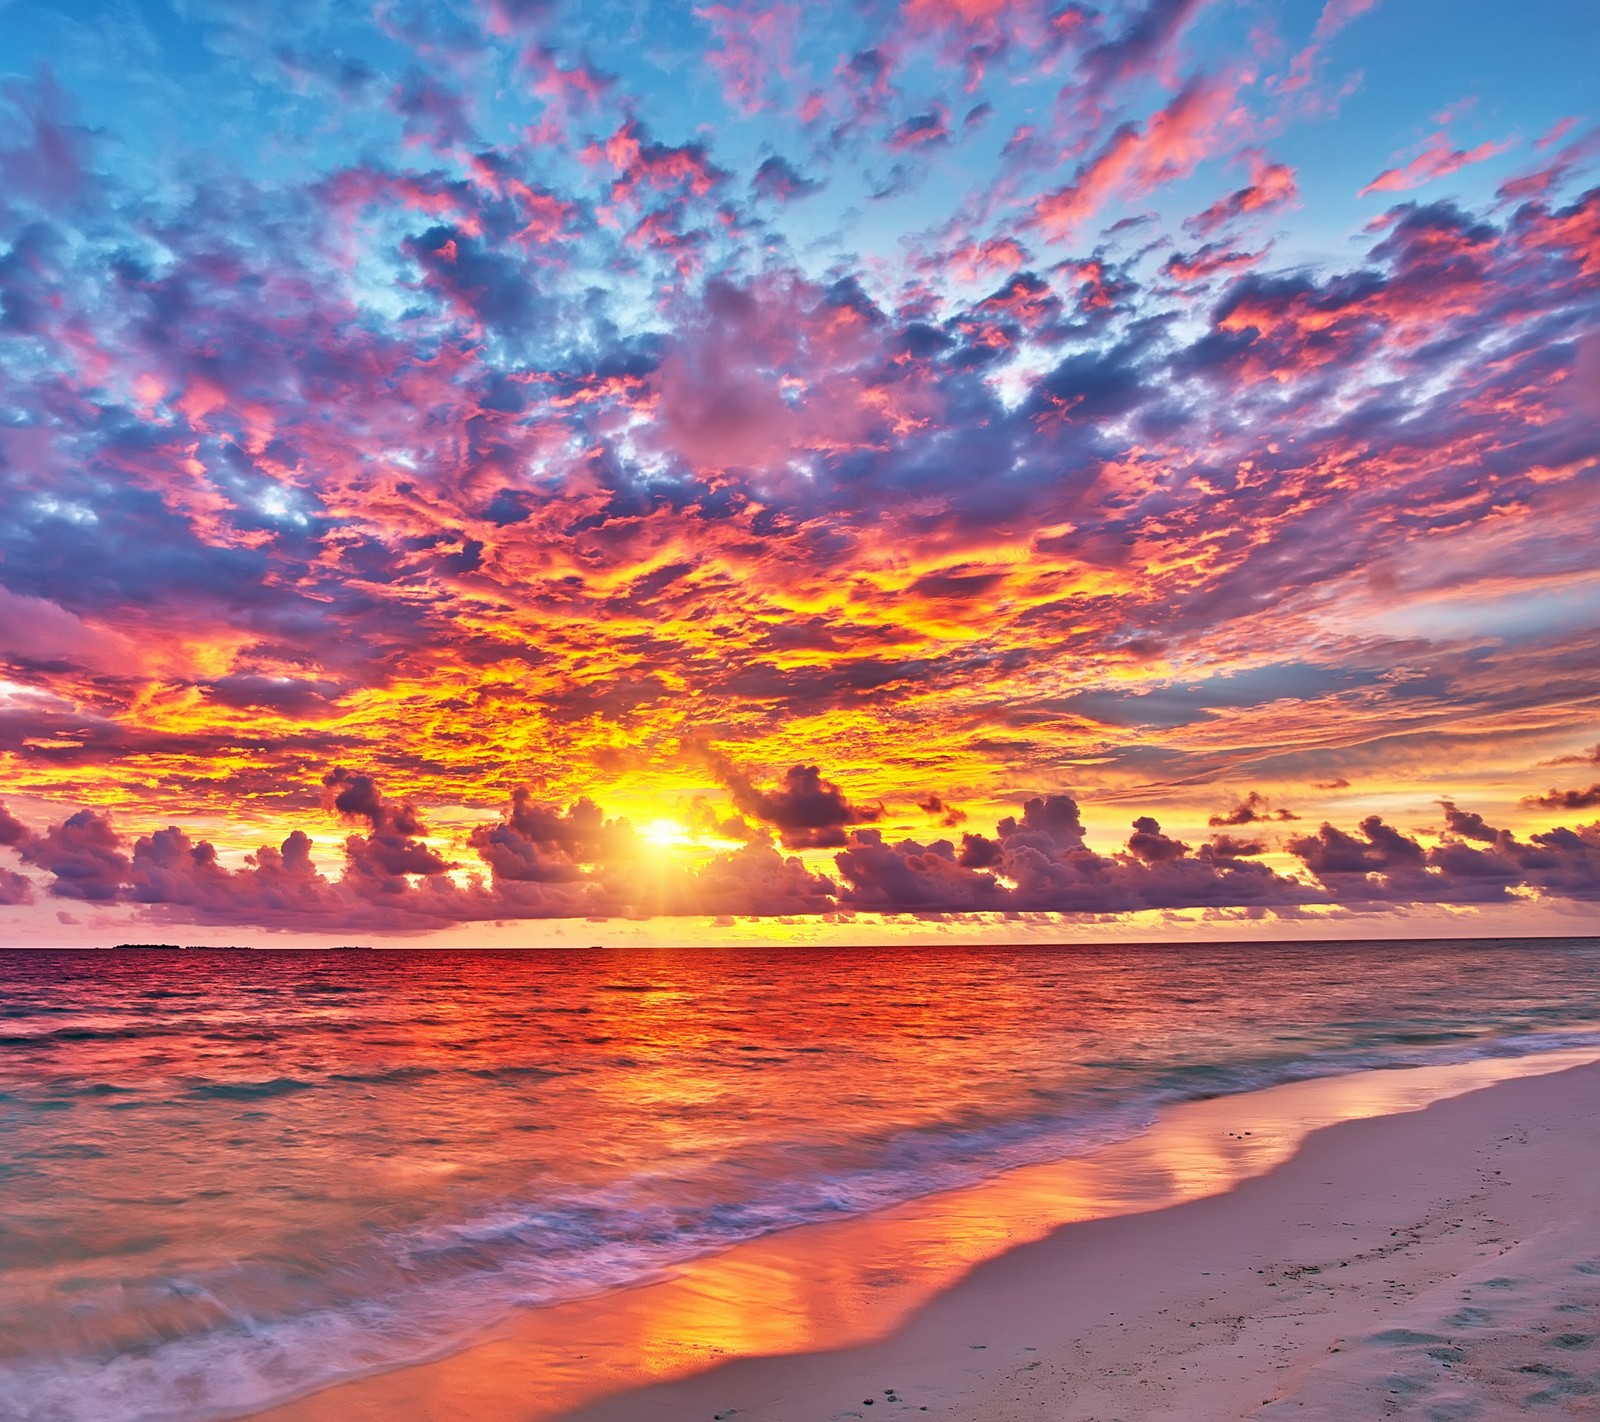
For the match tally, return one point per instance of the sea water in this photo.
(229, 1177)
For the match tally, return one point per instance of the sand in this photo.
(1416, 1260)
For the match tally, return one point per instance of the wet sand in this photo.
(1243, 1258)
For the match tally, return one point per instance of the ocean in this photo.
(230, 1177)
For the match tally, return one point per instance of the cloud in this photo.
(1041, 863)
(924, 130)
(44, 154)
(755, 53)
(1467, 824)
(1437, 160)
(778, 180)
(1137, 52)
(1336, 14)
(534, 843)
(1254, 808)
(84, 855)
(1588, 757)
(1138, 158)
(757, 880)
(394, 847)
(35, 630)
(15, 888)
(12, 831)
(913, 878)
(1225, 846)
(1208, 261)
(1385, 865)
(1379, 850)
(289, 695)
(808, 811)
(948, 815)
(1566, 799)
(543, 862)
(1271, 186)
(528, 426)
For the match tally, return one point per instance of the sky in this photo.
(528, 472)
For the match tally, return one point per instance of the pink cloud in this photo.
(1272, 185)
(754, 52)
(1138, 160)
(1336, 14)
(1437, 160)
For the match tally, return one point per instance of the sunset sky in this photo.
(529, 471)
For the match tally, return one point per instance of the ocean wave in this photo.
(196, 1349)
(248, 1090)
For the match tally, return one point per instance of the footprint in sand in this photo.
(1572, 1341)
(1403, 1337)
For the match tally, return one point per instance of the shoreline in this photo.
(790, 1325)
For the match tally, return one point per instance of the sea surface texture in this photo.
(228, 1177)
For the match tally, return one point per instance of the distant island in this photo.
(180, 947)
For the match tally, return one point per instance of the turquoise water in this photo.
(230, 1177)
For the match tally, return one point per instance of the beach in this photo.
(510, 1187)
(1430, 1255)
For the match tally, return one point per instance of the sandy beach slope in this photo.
(1434, 1263)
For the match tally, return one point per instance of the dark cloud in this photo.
(1255, 807)
(1566, 799)
(394, 848)
(1150, 846)
(948, 815)
(756, 879)
(779, 180)
(922, 131)
(1041, 863)
(1589, 757)
(84, 853)
(485, 286)
(15, 888)
(1136, 50)
(914, 878)
(169, 868)
(547, 862)
(1091, 387)
(289, 695)
(12, 831)
(1384, 865)
(1225, 846)
(1466, 824)
(807, 811)
(1380, 850)
(534, 843)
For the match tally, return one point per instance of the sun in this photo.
(665, 833)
